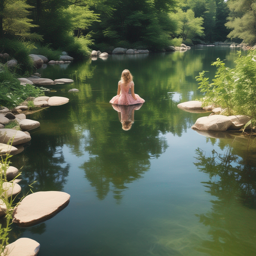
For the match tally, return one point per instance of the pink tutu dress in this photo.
(125, 98)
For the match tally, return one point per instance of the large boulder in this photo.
(22, 247)
(143, 51)
(4, 110)
(94, 53)
(119, 50)
(17, 137)
(66, 58)
(37, 61)
(10, 189)
(130, 51)
(41, 81)
(193, 105)
(27, 124)
(39, 206)
(57, 101)
(7, 149)
(220, 123)
(103, 55)
(41, 101)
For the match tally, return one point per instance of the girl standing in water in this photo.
(125, 91)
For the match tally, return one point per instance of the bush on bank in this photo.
(12, 93)
(232, 89)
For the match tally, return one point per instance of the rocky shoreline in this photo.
(216, 121)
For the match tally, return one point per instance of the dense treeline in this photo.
(78, 25)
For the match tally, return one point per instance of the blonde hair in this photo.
(126, 125)
(126, 76)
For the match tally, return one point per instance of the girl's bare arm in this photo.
(133, 95)
(118, 89)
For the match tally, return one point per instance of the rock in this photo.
(103, 55)
(143, 51)
(61, 62)
(57, 101)
(12, 63)
(212, 123)
(22, 247)
(94, 58)
(216, 135)
(39, 206)
(73, 90)
(45, 59)
(27, 124)
(190, 105)
(41, 101)
(25, 80)
(20, 149)
(4, 110)
(216, 110)
(1, 126)
(130, 51)
(20, 116)
(37, 61)
(94, 53)
(10, 116)
(10, 189)
(41, 81)
(11, 172)
(22, 107)
(37, 75)
(66, 57)
(64, 53)
(3, 119)
(119, 50)
(52, 62)
(64, 80)
(208, 108)
(17, 137)
(3, 208)
(7, 149)
(239, 121)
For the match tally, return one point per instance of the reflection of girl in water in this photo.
(125, 91)
(126, 115)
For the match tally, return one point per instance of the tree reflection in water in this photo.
(233, 183)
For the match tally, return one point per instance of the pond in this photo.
(160, 188)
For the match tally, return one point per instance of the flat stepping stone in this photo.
(14, 136)
(22, 247)
(22, 107)
(10, 173)
(39, 206)
(57, 101)
(28, 124)
(10, 189)
(7, 149)
(3, 208)
(64, 80)
(41, 81)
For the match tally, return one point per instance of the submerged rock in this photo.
(22, 247)
(39, 206)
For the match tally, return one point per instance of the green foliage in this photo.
(31, 104)
(188, 25)
(47, 51)
(242, 20)
(176, 41)
(11, 92)
(12, 124)
(233, 89)
(19, 51)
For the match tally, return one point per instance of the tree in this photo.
(188, 25)
(242, 20)
(14, 19)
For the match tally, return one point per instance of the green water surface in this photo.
(160, 188)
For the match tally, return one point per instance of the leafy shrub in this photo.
(31, 104)
(47, 51)
(233, 89)
(176, 41)
(19, 51)
(12, 93)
